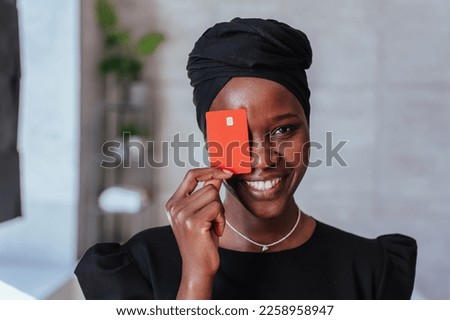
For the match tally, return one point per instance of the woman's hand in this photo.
(197, 219)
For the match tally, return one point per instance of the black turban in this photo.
(249, 48)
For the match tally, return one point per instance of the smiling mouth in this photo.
(263, 185)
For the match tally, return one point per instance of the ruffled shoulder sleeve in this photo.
(399, 268)
(106, 271)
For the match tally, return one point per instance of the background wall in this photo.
(380, 79)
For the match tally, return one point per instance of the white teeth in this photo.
(263, 185)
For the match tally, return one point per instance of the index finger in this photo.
(195, 176)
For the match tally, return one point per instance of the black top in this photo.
(332, 264)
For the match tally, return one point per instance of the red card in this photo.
(227, 138)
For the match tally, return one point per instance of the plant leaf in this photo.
(106, 14)
(109, 65)
(130, 67)
(125, 67)
(115, 38)
(148, 43)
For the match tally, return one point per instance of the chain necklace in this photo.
(265, 247)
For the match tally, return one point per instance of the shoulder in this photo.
(399, 268)
(137, 248)
(332, 236)
(390, 260)
(159, 236)
(344, 243)
(152, 245)
(126, 271)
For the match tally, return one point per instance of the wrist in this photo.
(195, 287)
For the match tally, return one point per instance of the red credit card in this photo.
(227, 140)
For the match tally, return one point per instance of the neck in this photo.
(259, 226)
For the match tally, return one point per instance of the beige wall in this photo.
(379, 79)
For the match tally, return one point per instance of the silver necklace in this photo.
(265, 247)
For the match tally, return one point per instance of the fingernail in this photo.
(227, 171)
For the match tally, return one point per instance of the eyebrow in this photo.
(285, 116)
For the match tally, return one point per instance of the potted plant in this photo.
(124, 57)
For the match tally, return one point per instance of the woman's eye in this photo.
(283, 130)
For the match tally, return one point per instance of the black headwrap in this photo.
(248, 48)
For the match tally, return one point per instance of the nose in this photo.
(263, 154)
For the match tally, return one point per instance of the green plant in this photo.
(123, 57)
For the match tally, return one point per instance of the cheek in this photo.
(294, 153)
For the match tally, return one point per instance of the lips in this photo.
(263, 185)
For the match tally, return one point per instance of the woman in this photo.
(256, 243)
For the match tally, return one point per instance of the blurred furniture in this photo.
(126, 183)
(9, 108)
